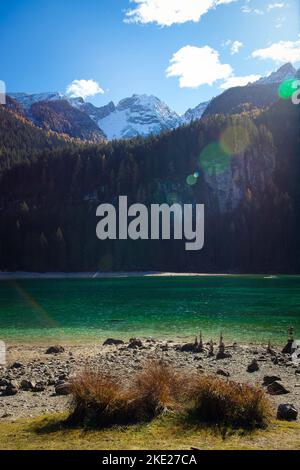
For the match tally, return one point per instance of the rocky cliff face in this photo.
(239, 182)
(248, 175)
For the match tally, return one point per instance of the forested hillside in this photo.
(61, 117)
(50, 190)
(244, 98)
(22, 141)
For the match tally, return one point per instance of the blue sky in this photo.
(46, 45)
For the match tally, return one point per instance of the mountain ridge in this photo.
(285, 72)
(142, 115)
(257, 95)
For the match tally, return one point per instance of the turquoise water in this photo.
(245, 308)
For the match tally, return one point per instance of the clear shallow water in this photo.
(245, 308)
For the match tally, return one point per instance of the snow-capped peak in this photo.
(26, 99)
(139, 115)
(195, 113)
(283, 73)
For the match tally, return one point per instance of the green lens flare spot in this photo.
(191, 180)
(287, 88)
(172, 198)
(214, 160)
(235, 139)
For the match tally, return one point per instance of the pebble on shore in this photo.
(34, 383)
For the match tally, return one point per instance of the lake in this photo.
(244, 308)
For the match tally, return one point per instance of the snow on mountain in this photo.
(139, 115)
(194, 113)
(26, 100)
(283, 73)
(56, 112)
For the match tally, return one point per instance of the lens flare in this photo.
(287, 88)
(172, 198)
(38, 309)
(191, 180)
(235, 140)
(214, 160)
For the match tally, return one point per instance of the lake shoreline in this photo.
(39, 344)
(19, 275)
(36, 376)
(166, 306)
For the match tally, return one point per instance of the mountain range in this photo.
(140, 115)
(240, 159)
(253, 96)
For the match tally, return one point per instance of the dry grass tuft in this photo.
(98, 399)
(214, 400)
(157, 388)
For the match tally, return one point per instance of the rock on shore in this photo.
(35, 383)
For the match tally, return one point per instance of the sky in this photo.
(182, 51)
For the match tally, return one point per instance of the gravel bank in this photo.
(31, 379)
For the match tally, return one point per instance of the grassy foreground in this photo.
(169, 431)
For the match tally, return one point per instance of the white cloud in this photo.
(281, 52)
(280, 22)
(196, 66)
(273, 6)
(84, 88)
(257, 11)
(249, 10)
(235, 47)
(239, 81)
(168, 12)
